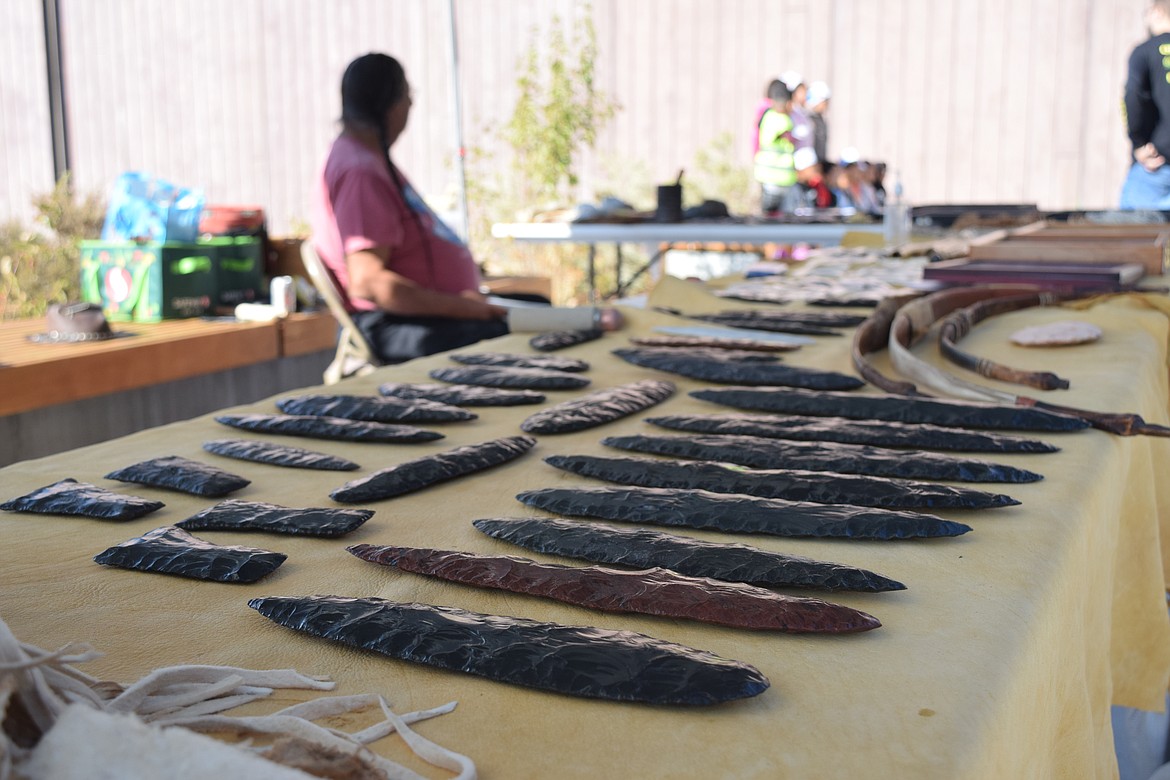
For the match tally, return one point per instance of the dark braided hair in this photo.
(371, 85)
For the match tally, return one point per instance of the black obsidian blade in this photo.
(642, 548)
(432, 469)
(738, 514)
(373, 408)
(714, 353)
(579, 661)
(171, 550)
(314, 427)
(598, 408)
(553, 340)
(839, 429)
(892, 408)
(234, 515)
(732, 372)
(762, 453)
(81, 499)
(771, 325)
(182, 474)
(820, 487)
(278, 455)
(828, 319)
(503, 376)
(461, 395)
(688, 342)
(550, 362)
(654, 591)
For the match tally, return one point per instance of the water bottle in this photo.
(896, 217)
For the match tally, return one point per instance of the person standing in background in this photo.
(774, 168)
(761, 109)
(802, 127)
(1147, 115)
(817, 104)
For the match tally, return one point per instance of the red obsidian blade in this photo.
(648, 592)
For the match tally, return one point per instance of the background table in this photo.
(652, 233)
(1000, 660)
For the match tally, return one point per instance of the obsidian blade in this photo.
(741, 373)
(762, 453)
(598, 408)
(892, 408)
(819, 487)
(315, 427)
(839, 429)
(687, 342)
(171, 550)
(461, 395)
(431, 469)
(771, 325)
(235, 515)
(278, 455)
(552, 340)
(734, 513)
(81, 499)
(550, 362)
(183, 474)
(386, 409)
(506, 377)
(828, 319)
(642, 548)
(579, 661)
(714, 353)
(659, 592)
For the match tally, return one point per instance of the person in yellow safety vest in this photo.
(775, 169)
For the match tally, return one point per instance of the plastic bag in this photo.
(145, 208)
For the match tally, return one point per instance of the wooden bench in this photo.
(57, 396)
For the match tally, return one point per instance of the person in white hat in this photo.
(816, 103)
(802, 128)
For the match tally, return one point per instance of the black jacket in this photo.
(1147, 94)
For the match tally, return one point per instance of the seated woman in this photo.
(410, 284)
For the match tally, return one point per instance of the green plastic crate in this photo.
(239, 265)
(148, 282)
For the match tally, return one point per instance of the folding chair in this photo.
(354, 356)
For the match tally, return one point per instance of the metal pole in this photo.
(457, 109)
(56, 82)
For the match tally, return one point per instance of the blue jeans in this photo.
(1145, 189)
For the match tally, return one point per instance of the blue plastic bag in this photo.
(144, 208)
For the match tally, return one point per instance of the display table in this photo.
(1000, 660)
(652, 233)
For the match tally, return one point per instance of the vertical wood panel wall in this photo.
(26, 148)
(994, 101)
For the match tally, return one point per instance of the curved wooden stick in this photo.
(959, 323)
(871, 336)
(912, 322)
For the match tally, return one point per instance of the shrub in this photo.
(40, 265)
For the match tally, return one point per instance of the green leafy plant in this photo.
(40, 265)
(559, 112)
(557, 117)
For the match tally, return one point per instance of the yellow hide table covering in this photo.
(999, 661)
